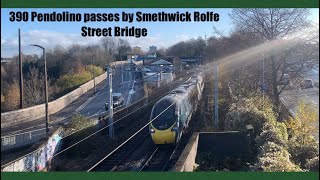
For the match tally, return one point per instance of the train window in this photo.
(166, 119)
(183, 116)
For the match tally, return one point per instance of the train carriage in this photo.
(172, 114)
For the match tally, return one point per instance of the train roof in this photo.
(168, 99)
(178, 93)
(179, 90)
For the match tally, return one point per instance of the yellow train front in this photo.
(165, 128)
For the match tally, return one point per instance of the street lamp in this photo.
(46, 85)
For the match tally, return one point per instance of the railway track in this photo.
(120, 154)
(159, 159)
(113, 159)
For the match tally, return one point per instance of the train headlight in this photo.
(175, 128)
(152, 130)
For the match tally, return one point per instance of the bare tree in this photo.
(109, 45)
(123, 49)
(192, 47)
(34, 87)
(273, 24)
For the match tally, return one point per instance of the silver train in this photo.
(169, 126)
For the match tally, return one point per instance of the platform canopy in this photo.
(161, 62)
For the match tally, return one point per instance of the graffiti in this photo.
(38, 160)
(29, 163)
(51, 146)
(41, 159)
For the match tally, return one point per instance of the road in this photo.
(89, 104)
(95, 105)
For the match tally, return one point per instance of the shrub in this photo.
(274, 158)
(12, 96)
(269, 134)
(210, 162)
(252, 111)
(302, 128)
(78, 122)
(313, 164)
(301, 154)
(304, 125)
(97, 70)
(281, 130)
(73, 80)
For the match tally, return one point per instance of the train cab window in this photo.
(166, 119)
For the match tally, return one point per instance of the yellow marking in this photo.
(163, 136)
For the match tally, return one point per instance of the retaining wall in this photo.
(35, 112)
(38, 111)
(221, 144)
(39, 159)
(187, 159)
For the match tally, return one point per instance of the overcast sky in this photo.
(160, 34)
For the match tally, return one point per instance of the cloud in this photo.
(47, 39)
(3, 41)
(50, 39)
(182, 37)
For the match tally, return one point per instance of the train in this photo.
(171, 115)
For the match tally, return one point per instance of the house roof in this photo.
(161, 62)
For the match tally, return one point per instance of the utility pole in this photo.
(121, 72)
(216, 121)
(46, 90)
(110, 104)
(160, 76)
(263, 86)
(20, 73)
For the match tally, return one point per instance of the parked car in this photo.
(307, 83)
(117, 99)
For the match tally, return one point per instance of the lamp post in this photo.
(46, 85)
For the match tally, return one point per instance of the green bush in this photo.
(97, 70)
(281, 130)
(301, 154)
(313, 164)
(274, 158)
(73, 80)
(252, 111)
(269, 134)
(78, 122)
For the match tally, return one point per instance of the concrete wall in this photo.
(35, 112)
(227, 143)
(187, 159)
(39, 159)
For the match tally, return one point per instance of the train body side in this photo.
(168, 127)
